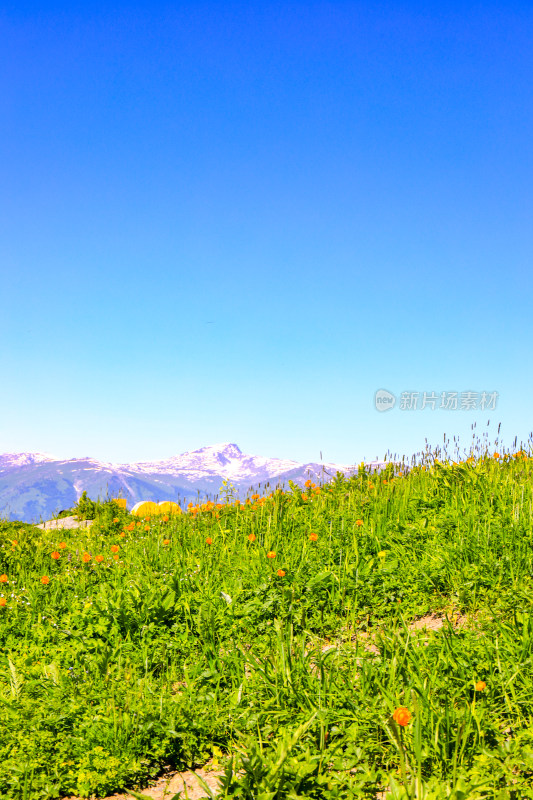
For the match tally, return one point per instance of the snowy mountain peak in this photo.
(226, 449)
(10, 460)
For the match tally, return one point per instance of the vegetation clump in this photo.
(282, 635)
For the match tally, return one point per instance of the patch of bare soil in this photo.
(170, 783)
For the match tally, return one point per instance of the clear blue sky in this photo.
(235, 222)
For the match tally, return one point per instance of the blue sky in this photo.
(238, 221)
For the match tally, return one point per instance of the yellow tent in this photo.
(146, 508)
(168, 507)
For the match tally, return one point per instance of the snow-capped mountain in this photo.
(218, 459)
(35, 486)
(10, 460)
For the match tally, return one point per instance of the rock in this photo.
(65, 522)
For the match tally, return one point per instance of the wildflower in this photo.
(165, 518)
(131, 526)
(209, 540)
(45, 580)
(3, 578)
(281, 573)
(115, 557)
(480, 686)
(307, 483)
(62, 545)
(358, 522)
(55, 555)
(166, 541)
(370, 485)
(402, 716)
(382, 554)
(99, 559)
(251, 537)
(14, 542)
(122, 535)
(86, 557)
(3, 601)
(496, 455)
(313, 537)
(271, 554)
(114, 548)
(115, 519)
(146, 527)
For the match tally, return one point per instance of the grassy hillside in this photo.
(284, 633)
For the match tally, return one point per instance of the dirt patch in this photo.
(430, 622)
(170, 783)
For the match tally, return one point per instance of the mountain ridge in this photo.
(36, 486)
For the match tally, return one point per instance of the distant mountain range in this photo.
(36, 486)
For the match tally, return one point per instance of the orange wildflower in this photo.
(308, 483)
(359, 522)
(281, 573)
(165, 519)
(313, 537)
(146, 527)
(99, 559)
(55, 555)
(3, 578)
(251, 537)
(86, 557)
(45, 579)
(115, 557)
(402, 716)
(115, 548)
(14, 542)
(481, 686)
(122, 535)
(496, 455)
(166, 541)
(62, 545)
(209, 540)
(271, 554)
(3, 601)
(116, 519)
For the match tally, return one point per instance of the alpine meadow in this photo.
(368, 637)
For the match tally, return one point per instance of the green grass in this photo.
(175, 652)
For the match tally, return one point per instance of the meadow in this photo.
(283, 637)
